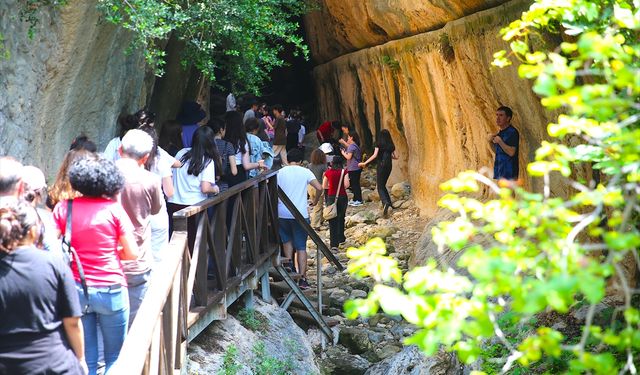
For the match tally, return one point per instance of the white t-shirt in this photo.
(186, 186)
(111, 151)
(239, 154)
(293, 180)
(163, 164)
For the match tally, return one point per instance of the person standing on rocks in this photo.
(331, 182)
(280, 134)
(353, 154)
(384, 153)
(318, 166)
(293, 180)
(506, 143)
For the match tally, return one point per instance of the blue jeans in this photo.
(109, 312)
(138, 285)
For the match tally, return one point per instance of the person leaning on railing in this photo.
(40, 329)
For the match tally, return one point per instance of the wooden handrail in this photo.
(156, 342)
(134, 350)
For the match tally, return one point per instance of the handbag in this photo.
(331, 211)
(72, 256)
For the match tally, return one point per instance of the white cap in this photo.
(326, 148)
(33, 178)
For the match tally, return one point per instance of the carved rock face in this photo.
(437, 94)
(339, 26)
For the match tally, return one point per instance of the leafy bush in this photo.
(528, 253)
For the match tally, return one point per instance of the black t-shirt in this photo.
(37, 290)
(293, 128)
(385, 154)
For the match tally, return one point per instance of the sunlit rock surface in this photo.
(437, 93)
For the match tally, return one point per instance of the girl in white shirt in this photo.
(195, 178)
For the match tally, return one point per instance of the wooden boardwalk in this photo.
(236, 244)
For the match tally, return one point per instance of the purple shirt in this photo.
(356, 157)
(187, 134)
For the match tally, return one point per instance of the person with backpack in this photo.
(260, 150)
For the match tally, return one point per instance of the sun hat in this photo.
(326, 148)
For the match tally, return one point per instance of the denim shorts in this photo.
(291, 230)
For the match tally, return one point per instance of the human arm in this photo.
(248, 165)
(394, 155)
(509, 150)
(343, 142)
(232, 165)
(75, 336)
(325, 182)
(167, 186)
(346, 181)
(130, 250)
(207, 187)
(371, 158)
(347, 155)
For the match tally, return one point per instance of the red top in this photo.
(97, 225)
(325, 129)
(333, 177)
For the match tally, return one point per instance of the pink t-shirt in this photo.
(97, 224)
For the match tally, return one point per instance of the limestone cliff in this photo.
(72, 77)
(337, 26)
(437, 94)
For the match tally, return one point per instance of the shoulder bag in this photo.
(72, 256)
(331, 211)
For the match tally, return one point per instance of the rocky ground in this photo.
(374, 345)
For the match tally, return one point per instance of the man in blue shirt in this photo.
(506, 146)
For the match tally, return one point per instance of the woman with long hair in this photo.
(331, 182)
(237, 136)
(40, 329)
(196, 178)
(227, 153)
(353, 155)
(102, 235)
(384, 153)
(61, 188)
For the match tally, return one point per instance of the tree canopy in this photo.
(236, 41)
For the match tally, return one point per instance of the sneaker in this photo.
(350, 202)
(303, 284)
(355, 204)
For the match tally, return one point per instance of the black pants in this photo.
(336, 225)
(192, 224)
(382, 176)
(354, 180)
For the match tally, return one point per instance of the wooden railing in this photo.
(187, 292)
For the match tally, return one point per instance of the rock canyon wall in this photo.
(73, 76)
(436, 91)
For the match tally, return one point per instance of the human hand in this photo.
(216, 189)
(496, 139)
(362, 165)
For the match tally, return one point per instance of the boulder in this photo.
(400, 190)
(356, 340)
(410, 361)
(281, 339)
(366, 195)
(368, 217)
(340, 362)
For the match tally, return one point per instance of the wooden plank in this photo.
(136, 346)
(202, 261)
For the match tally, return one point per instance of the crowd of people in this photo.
(92, 238)
(94, 235)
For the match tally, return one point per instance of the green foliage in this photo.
(528, 253)
(236, 41)
(392, 63)
(264, 364)
(230, 365)
(29, 11)
(253, 320)
(4, 51)
(240, 40)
